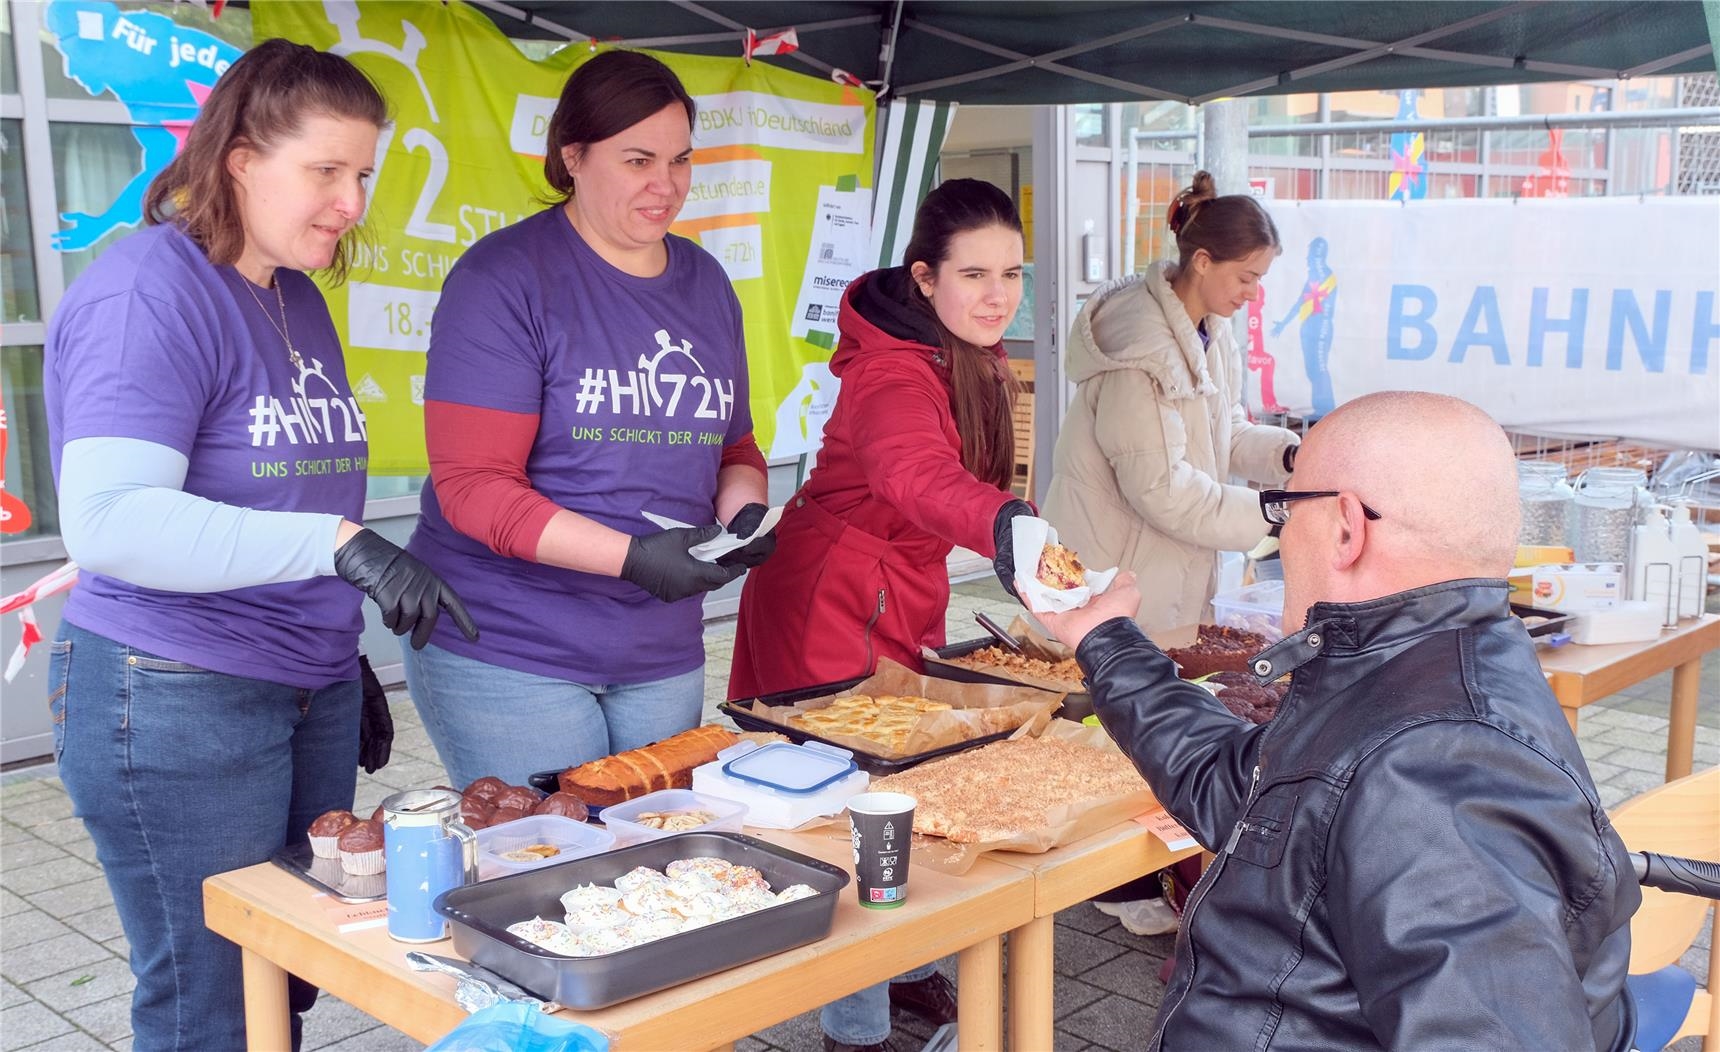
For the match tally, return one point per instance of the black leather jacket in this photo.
(1410, 856)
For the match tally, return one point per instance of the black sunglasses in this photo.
(1275, 503)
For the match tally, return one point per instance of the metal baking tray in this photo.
(1077, 705)
(479, 915)
(327, 874)
(1558, 622)
(868, 762)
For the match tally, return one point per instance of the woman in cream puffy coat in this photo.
(1143, 467)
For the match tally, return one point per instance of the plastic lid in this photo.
(798, 769)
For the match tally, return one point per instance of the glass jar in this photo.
(1545, 498)
(1606, 501)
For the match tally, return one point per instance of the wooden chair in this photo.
(1679, 818)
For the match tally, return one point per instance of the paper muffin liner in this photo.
(326, 846)
(363, 863)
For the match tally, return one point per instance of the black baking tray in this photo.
(327, 874)
(479, 915)
(1557, 620)
(868, 762)
(1077, 705)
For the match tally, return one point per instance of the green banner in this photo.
(781, 196)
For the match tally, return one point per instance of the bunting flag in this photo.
(782, 42)
(30, 632)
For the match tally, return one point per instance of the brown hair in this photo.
(263, 98)
(1228, 227)
(982, 388)
(603, 98)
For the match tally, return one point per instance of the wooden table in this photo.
(1582, 675)
(281, 927)
(1064, 877)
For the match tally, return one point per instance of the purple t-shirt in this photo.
(638, 383)
(155, 343)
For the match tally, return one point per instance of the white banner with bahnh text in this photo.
(1596, 317)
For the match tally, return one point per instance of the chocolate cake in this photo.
(1218, 650)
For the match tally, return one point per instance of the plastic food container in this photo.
(479, 915)
(1628, 622)
(620, 818)
(1545, 499)
(573, 839)
(782, 785)
(1256, 608)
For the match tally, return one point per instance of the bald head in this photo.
(1437, 468)
(1441, 474)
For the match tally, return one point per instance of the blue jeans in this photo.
(486, 719)
(178, 774)
(863, 1017)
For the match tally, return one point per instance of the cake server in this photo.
(997, 632)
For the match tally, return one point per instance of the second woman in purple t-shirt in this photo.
(585, 367)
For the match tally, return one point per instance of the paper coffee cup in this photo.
(883, 827)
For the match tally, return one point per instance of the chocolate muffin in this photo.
(361, 848)
(1234, 679)
(325, 832)
(476, 812)
(508, 814)
(521, 797)
(564, 804)
(488, 788)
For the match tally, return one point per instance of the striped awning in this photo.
(914, 134)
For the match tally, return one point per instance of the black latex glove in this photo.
(375, 723)
(759, 548)
(659, 563)
(1003, 532)
(410, 594)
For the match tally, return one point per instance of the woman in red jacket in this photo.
(917, 458)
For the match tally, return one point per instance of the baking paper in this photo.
(1065, 823)
(979, 709)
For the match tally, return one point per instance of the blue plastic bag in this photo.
(516, 1027)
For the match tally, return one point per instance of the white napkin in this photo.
(1031, 536)
(721, 545)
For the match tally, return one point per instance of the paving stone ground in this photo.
(65, 985)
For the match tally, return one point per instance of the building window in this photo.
(93, 164)
(18, 299)
(29, 475)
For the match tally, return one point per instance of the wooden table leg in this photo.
(267, 1026)
(1030, 985)
(979, 996)
(1570, 716)
(1681, 728)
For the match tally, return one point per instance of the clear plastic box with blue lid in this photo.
(782, 785)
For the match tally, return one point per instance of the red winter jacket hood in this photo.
(891, 459)
(859, 566)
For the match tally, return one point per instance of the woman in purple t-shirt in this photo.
(586, 367)
(210, 456)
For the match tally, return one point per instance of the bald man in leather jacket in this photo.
(1412, 854)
